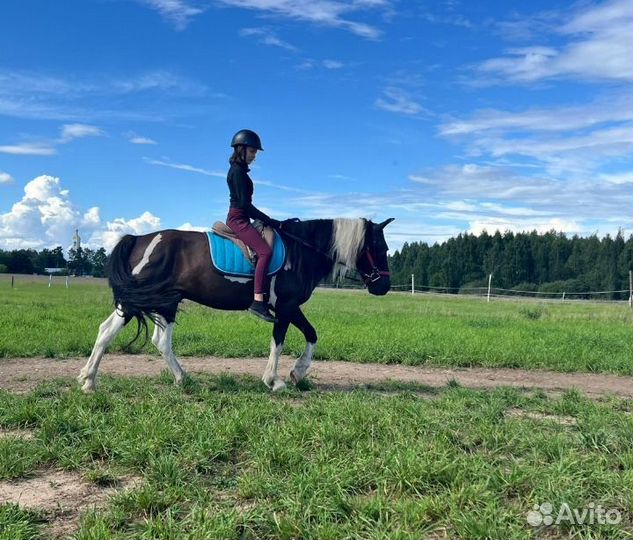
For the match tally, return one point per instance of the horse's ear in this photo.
(385, 223)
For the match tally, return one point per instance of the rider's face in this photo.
(251, 153)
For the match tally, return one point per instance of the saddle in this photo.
(268, 234)
(231, 256)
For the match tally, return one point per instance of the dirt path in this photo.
(21, 374)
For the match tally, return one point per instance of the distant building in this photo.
(76, 240)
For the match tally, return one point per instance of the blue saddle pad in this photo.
(229, 259)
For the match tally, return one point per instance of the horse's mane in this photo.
(348, 238)
(337, 243)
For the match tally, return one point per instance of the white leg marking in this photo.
(302, 364)
(107, 332)
(162, 340)
(271, 378)
(148, 252)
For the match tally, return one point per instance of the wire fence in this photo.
(626, 295)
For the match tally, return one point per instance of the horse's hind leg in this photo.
(162, 339)
(303, 362)
(107, 332)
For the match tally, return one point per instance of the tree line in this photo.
(540, 263)
(80, 262)
(544, 263)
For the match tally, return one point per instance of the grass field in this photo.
(223, 458)
(435, 330)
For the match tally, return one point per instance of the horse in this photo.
(151, 274)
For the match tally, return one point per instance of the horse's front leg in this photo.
(303, 362)
(271, 378)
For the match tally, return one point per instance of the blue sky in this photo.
(116, 115)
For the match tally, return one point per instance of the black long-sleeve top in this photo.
(241, 192)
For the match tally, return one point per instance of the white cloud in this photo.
(332, 64)
(614, 108)
(625, 177)
(114, 230)
(600, 49)
(38, 95)
(69, 132)
(189, 227)
(137, 139)
(266, 36)
(5, 178)
(78, 131)
(46, 217)
(177, 12)
(28, 149)
(398, 101)
(322, 12)
(184, 167)
(92, 218)
(43, 217)
(491, 225)
(566, 142)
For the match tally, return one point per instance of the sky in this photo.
(451, 116)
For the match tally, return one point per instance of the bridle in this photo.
(374, 275)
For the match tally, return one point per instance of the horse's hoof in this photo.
(293, 377)
(278, 385)
(88, 388)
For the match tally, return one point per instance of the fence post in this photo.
(631, 288)
(50, 280)
(12, 280)
(489, 282)
(66, 281)
(563, 299)
(412, 283)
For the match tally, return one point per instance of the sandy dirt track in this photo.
(23, 374)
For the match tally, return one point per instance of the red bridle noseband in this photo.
(375, 273)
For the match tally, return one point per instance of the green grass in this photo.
(224, 458)
(443, 331)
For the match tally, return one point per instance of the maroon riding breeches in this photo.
(240, 224)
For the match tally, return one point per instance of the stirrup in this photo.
(260, 309)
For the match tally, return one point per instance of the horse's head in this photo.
(372, 262)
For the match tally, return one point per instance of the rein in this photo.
(375, 274)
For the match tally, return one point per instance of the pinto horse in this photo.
(151, 274)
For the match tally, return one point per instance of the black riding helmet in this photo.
(247, 138)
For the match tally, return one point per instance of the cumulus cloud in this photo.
(5, 178)
(109, 235)
(46, 217)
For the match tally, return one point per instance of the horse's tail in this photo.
(139, 299)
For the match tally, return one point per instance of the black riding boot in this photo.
(260, 309)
